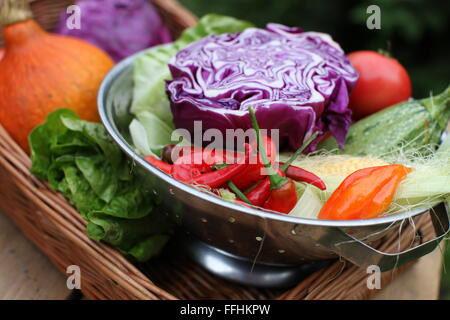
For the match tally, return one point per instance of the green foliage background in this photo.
(416, 32)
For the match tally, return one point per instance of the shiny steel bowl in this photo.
(247, 233)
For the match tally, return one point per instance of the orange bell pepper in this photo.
(364, 194)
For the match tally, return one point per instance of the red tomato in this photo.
(383, 82)
(2, 53)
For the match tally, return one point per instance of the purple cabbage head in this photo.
(120, 27)
(298, 82)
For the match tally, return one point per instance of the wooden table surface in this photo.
(25, 273)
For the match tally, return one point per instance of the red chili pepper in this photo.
(282, 198)
(258, 195)
(248, 177)
(208, 157)
(188, 166)
(196, 160)
(302, 175)
(184, 172)
(161, 165)
(255, 171)
(215, 179)
(283, 193)
(171, 153)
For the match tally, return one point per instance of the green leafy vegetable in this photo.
(150, 135)
(80, 160)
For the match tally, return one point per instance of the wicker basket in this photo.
(57, 229)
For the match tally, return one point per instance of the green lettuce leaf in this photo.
(149, 134)
(124, 233)
(149, 247)
(43, 137)
(150, 72)
(80, 160)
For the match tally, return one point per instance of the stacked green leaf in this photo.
(81, 161)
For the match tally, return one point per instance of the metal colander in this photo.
(247, 234)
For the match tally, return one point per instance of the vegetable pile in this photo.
(120, 27)
(80, 160)
(220, 77)
(298, 81)
(229, 75)
(345, 187)
(214, 169)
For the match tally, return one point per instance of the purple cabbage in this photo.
(299, 82)
(120, 27)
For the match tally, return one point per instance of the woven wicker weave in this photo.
(57, 229)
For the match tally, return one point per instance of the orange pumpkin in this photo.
(41, 72)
